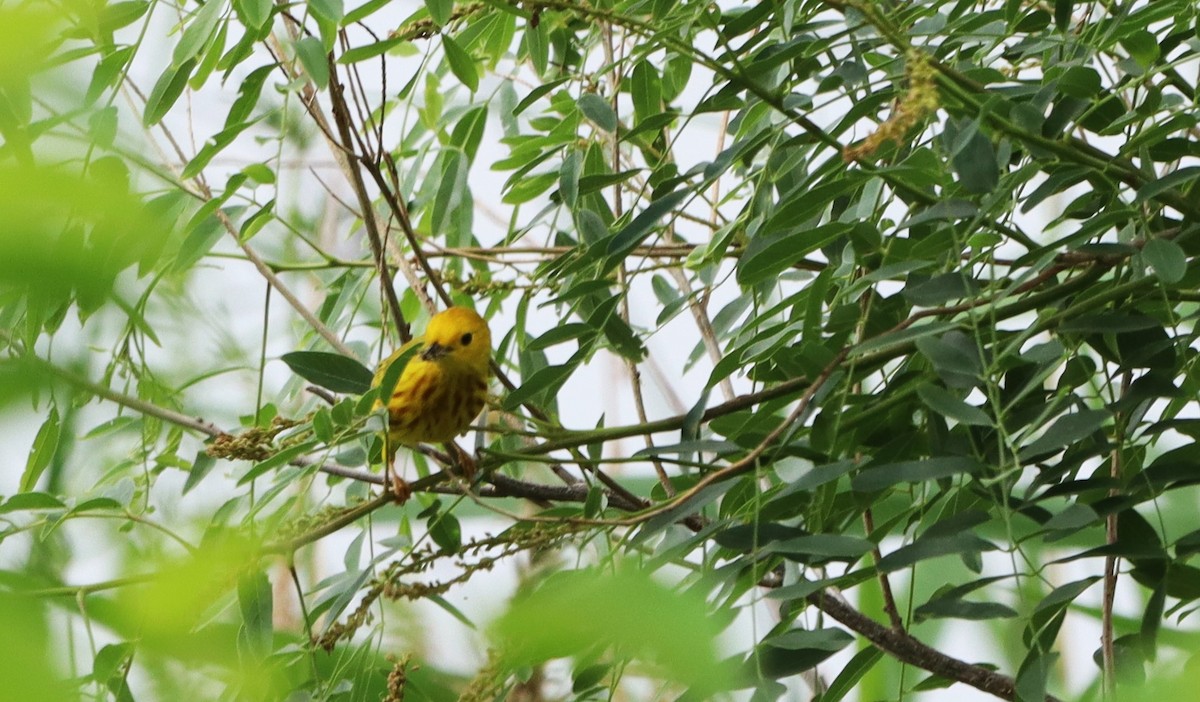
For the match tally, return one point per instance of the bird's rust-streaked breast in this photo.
(437, 404)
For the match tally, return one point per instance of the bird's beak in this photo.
(434, 351)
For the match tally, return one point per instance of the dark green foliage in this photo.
(903, 291)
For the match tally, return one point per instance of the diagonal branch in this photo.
(341, 117)
(904, 647)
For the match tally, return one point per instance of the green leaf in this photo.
(329, 10)
(589, 677)
(809, 202)
(543, 384)
(198, 32)
(595, 183)
(568, 178)
(527, 189)
(67, 235)
(311, 53)
(1178, 177)
(1142, 47)
(260, 173)
(450, 189)
(102, 126)
(941, 289)
(955, 356)
(212, 148)
(676, 75)
(331, 371)
(203, 231)
(461, 64)
(908, 335)
(362, 53)
(211, 57)
(538, 46)
(976, 166)
(537, 94)
(253, 13)
(1110, 323)
(450, 609)
(122, 14)
(941, 210)
(249, 91)
(817, 476)
(1166, 258)
(1080, 82)
(932, 547)
(166, 91)
(627, 610)
(768, 255)
(592, 229)
(646, 91)
(1062, 596)
(98, 504)
(256, 221)
(1067, 430)
(322, 425)
(440, 11)
(111, 667)
(45, 444)
(889, 474)
(1034, 670)
(1073, 518)
(557, 335)
(365, 10)
(595, 503)
(108, 70)
(469, 130)
(255, 600)
(31, 501)
(598, 111)
(953, 608)
(948, 405)
(280, 459)
(653, 123)
(446, 532)
(1062, 14)
(634, 233)
(821, 548)
(852, 673)
(201, 466)
(749, 537)
(798, 650)
(687, 447)
(619, 334)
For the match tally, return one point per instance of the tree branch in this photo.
(904, 647)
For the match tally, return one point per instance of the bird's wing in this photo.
(390, 368)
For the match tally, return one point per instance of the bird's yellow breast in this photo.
(434, 401)
(444, 385)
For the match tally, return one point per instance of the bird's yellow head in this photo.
(460, 334)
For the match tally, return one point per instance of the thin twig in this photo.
(77, 590)
(1108, 652)
(341, 117)
(885, 585)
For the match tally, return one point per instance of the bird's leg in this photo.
(393, 483)
(462, 463)
(401, 489)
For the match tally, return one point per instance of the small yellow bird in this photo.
(443, 387)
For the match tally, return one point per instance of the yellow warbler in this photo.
(443, 387)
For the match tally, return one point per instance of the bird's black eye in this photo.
(466, 339)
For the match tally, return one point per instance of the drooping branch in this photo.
(904, 647)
